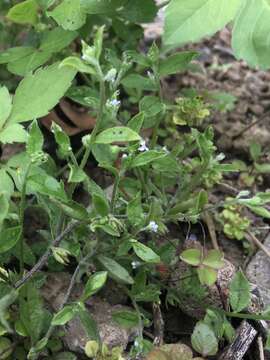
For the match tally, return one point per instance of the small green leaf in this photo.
(176, 63)
(64, 316)
(261, 211)
(61, 139)
(101, 6)
(239, 292)
(145, 253)
(72, 209)
(207, 275)
(125, 318)
(9, 238)
(89, 324)
(35, 140)
(214, 259)
(94, 284)
(25, 12)
(13, 133)
(76, 174)
(5, 105)
(204, 340)
(191, 256)
(101, 205)
(136, 122)
(147, 157)
(255, 150)
(77, 64)
(6, 184)
(117, 134)
(115, 270)
(135, 211)
(151, 106)
(15, 53)
(69, 15)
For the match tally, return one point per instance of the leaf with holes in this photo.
(117, 134)
(69, 15)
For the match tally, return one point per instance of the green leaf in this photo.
(261, 211)
(135, 211)
(134, 11)
(214, 259)
(64, 316)
(117, 134)
(9, 238)
(176, 63)
(38, 93)
(125, 318)
(35, 140)
(69, 15)
(207, 275)
(191, 256)
(4, 206)
(76, 174)
(255, 150)
(101, 6)
(57, 39)
(13, 133)
(77, 64)
(204, 340)
(28, 63)
(94, 284)
(89, 324)
(145, 253)
(239, 292)
(147, 157)
(151, 106)
(15, 53)
(101, 205)
(267, 344)
(25, 12)
(190, 20)
(61, 139)
(72, 209)
(251, 42)
(6, 184)
(137, 81)
(115, 270)
(136, 122)
(5, 105)
(47, 185)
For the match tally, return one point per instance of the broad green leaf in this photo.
(190, 20)
(145, 253)
(72, 209)
(26, 64)
(5, 105)
(117, 134)
(134, 11)
(47, 185)
(9, 238)
(6, 184)
(207, 275)
(94, 284)
(261, 211)
(15, 53)
(69, 15)
(147, 157)
(137, 81)
(151, 106)
(38, 93)
(13, 133)
(262, 168)
(239, 292)
(176, 63)
(115, 270)
(62, 139)
(136, 122)
(57, 39)
(4, 206)
(204, 340)
(250, 33)
(26, 12)
(64, 316)
(214, 259)
(77, 64)
(125, 318)
(89, 324)
(35, 140)
(101, 6)
(191, 256)
(76, 174)
(101, 205)
(255, 150)
(135, 210)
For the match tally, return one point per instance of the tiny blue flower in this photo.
(153, 226)
(143, 146)
(114, 103)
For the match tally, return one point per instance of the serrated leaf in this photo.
(191, 256)
(176, 63)
(13, 133)
(115, 270)
(239, 292)
(5, 105)
(26, 12)
(94, 284)
(251, 42)
(204, 340)
(214, 259)
(117, 134)
(38, 93)
(69, 15)
(145, 253)
(207, 275)
(9, 238)
(190, 20)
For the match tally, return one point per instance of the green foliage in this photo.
(239, 292)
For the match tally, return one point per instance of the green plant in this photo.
(86, 51)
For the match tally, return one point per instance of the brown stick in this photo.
(257, 242)
(261, 349)
(158, 325)
(211, 228)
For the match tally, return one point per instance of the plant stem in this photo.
(160, 116)
(21, 218)
(115, 192)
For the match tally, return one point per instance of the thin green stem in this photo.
(160, 116)
(21, 218)
(115, 193)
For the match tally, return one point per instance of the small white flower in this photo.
(153, 226)
(114, 103)
(135, 264)
(111, 76)
(150, 75)
(165, 149)
(220, 157)
(124, 156)
(143, 146)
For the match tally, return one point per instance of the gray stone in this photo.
(258, 272)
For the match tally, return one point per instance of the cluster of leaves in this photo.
(115, 234)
